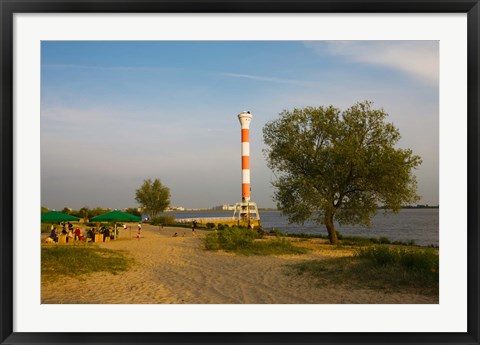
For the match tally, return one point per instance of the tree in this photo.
(332, 165)
(153, 196)
(84, 213)
(133, 211)
(98, 211)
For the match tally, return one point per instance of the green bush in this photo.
(276, 232)
(303, 235)
(384, 240)
(243, 241)
(421, 260)
(210, 225)
(380, 267)
(380, 255)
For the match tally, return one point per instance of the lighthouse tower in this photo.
(246, 212)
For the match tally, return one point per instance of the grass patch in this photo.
(380, 267)
(248, 242)
(354, 240)
(77, 260)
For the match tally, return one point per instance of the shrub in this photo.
(380, 255)
(380, 267)
(233, 238)
(303, 235)
(243, 241)
(421, 260)
(210, 225)
(275, 232)
(384, 240)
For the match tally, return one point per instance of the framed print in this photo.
(353, 185)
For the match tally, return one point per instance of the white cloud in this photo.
(419, 59)
(269, 79)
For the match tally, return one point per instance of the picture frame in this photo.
(7, 314)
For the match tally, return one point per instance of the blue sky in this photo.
(116, 113)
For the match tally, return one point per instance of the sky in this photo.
(116, 113)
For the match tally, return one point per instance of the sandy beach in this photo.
(179, 270)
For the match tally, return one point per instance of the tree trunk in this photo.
(332, 234)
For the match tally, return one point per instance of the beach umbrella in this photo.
(55, 216)
(116, 216)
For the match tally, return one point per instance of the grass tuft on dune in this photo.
(80, 259)
(248, 242)
(379, 267)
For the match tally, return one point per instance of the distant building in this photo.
(175, 208)
(225, 207)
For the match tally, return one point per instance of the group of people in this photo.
(77, 235)
(69, 234)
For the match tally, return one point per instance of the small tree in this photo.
(84, 213)
(98, 211)
(343, 166)
(133, 211)
(153, 196)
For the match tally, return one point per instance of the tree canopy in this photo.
(153, 196)
(333, 165)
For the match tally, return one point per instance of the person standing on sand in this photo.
(194, 224)
(139, 231)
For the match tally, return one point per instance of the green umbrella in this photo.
(116, 216)
(55, 216)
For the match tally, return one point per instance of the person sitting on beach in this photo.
(54, 235)
(64, 231)
(69, 236)
(91, 234)
(77, 233)
(175, 235)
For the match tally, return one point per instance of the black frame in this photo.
(9, 7)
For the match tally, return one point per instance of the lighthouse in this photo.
(246, 212)
(245, 119)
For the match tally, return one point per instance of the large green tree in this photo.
(333, 165)
(153, 196)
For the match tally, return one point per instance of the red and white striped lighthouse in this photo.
(246, 212)
(245, 119)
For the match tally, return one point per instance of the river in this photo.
(419, 225)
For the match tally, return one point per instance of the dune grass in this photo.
(379, 267)
(80, 259)
(248, 242)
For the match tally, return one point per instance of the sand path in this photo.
(178, 270)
